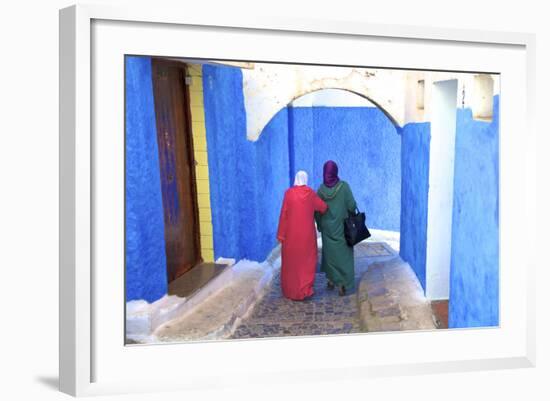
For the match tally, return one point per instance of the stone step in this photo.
(390, 298)
(217, 316)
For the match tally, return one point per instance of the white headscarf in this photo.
(300, 178)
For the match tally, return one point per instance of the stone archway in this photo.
(353, 92)
(270, 87)
(347, 127)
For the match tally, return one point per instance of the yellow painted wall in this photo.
(201, 158)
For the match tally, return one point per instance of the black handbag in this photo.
(355, 228)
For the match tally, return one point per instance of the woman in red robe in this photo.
(298, 238)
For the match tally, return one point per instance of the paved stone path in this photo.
(387, 297)
(324, 313)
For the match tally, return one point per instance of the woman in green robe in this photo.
(337, 255)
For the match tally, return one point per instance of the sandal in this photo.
(342, 291)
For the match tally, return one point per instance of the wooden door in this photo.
(177, 171)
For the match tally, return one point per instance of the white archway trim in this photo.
(270, 87)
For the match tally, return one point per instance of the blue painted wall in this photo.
(415, 157)
(145, 249)
(474, 293)
(247, 179)
(365, 145)
(223, 139)
(301, 142)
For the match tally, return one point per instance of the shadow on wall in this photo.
(248, 179)
(415, 168)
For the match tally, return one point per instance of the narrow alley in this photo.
(212, 148)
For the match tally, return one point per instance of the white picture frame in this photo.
(92, 363)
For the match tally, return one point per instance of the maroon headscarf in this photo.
(330, 174)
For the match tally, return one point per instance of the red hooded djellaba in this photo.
(297, 235)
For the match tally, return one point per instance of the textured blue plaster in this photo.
(145, 249)
(415, 157)
(366, 147)
(474, 290)
(247, 179)
(272, 181)
(301, 140)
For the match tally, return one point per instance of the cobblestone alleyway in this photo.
(324, 313)
(387, 297)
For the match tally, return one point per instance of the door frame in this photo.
(188, 131)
